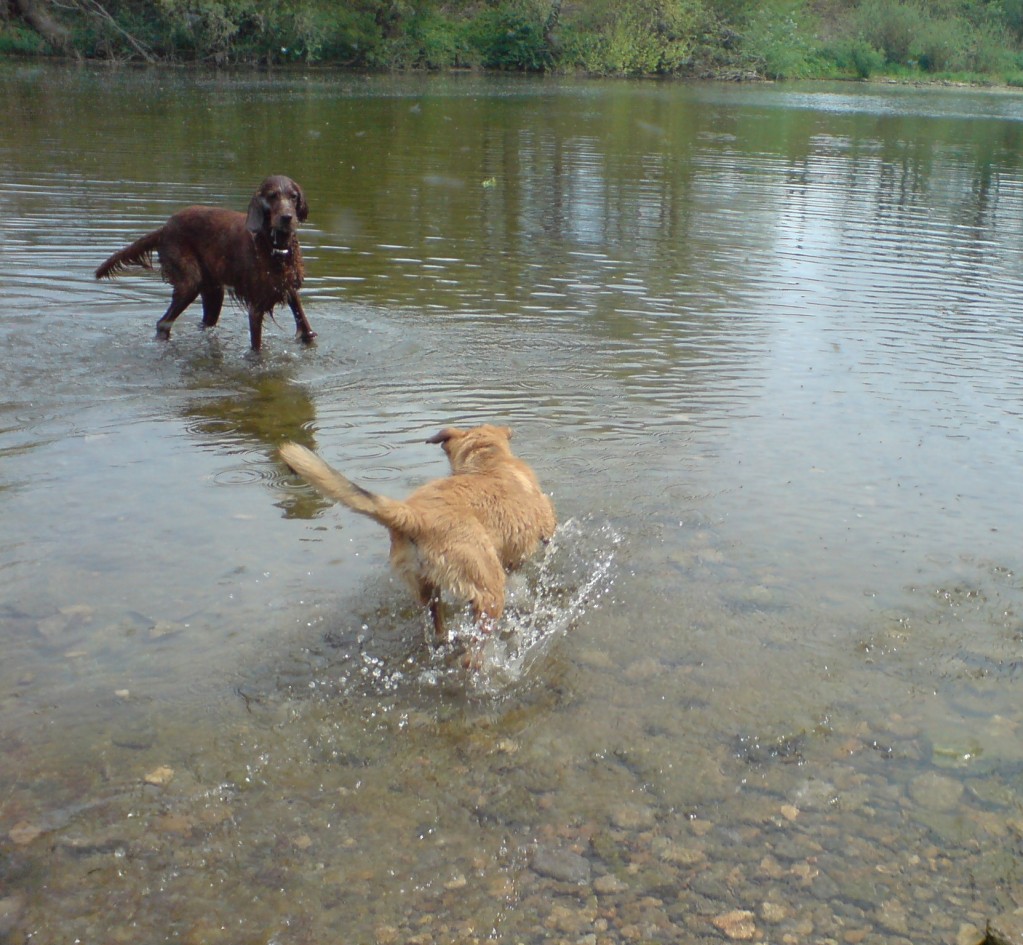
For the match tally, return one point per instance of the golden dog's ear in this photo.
(445, 435)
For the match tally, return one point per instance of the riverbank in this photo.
(968, 41)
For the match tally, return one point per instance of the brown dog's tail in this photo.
(140, 253)
(390, 513)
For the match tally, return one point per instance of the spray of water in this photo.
(544, 601)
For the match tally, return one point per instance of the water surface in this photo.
(763, 347)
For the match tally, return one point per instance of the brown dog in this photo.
(204, 250)
(460, 534)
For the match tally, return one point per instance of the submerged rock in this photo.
(563, 865)
(1006, 929)
(159, 776)
(936, 791)
(737, 924)
(633, 817)
(608, 884)
(23, 833)
(11, 908)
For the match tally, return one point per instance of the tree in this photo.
(38, 15)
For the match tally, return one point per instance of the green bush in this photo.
(18, 41)
(942, 45)
(643, 37)
(858, 57)
(780, 42)
(511, 35)
(992, 53)
(438, 43)
(890, 27)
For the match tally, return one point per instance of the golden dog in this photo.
(460, 534)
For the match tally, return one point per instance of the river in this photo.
(763, 346)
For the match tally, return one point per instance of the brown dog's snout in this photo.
(282, 226)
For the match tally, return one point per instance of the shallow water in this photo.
(762, 345)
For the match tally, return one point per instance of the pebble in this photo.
(969, 934)
(892, 916)
(645, 668)
(675, 853)
(633, 817)
(23, 833)
(813, 794)
(609, 883)
(135, 734)
(173, 823)
(92, 843)
(159, 776)
(737, 924)
(165, 628)
(567, 920)
(1006, 929)
(936, 791)
(773, 912)
(560, 864)
(10, 908)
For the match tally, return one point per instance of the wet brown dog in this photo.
(204, 250)
(460, 534)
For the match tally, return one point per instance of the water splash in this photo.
(544, 602)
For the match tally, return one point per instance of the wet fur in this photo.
(460, 534)
(205, 250)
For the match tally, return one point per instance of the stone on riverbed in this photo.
(935, 791)
(160, 776)
(562, 865)
(1006, 929)
(633, 817)
(737, 924)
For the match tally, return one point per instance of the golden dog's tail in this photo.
(391, 513)
(140, 253)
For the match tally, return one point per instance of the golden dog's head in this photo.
(475, 449)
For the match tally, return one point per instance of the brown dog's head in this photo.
(475, 449)
(276, 209)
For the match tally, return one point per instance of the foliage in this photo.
(511, 35)
(644, 37)
(857, 57)
(773, 38)
(890, 26)
(19, 40)
(780, 42)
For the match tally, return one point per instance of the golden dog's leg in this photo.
(487, 615)
(440, 633)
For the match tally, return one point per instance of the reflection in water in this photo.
(268, 408)
(763, 346)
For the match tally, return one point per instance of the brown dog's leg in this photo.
(181, 298)
(305, 331)
(255, 329)
(212, 303)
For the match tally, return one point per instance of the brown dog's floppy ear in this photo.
(301, 207)
(257, 214)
